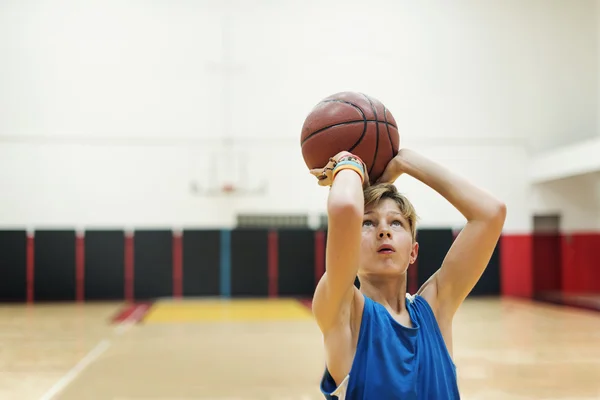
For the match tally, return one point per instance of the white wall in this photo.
(44, 184)
(576, 199)
(110, 109)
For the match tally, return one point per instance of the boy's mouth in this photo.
(385, 249)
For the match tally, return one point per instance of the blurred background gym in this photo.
(161, 237)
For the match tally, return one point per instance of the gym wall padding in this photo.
(13, 265)
(320, 246)
(580, 263)
(201, 262)
(516, 274)
(54, 255)
(546, 262)
(489, 283)
(296, 262)
(433, 246)
(153, 264)
(249, 262)
(242, 262)
(104, 265)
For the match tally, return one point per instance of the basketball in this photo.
(354, 122)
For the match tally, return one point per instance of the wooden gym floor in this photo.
(271, 349)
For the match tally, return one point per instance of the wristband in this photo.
(349, 164)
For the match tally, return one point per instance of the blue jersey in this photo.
(396, 362)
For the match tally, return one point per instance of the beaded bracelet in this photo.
(351, 157)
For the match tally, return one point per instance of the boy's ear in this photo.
(414, 253)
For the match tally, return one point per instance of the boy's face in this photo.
(387, 246)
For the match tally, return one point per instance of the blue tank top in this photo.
(396, 362)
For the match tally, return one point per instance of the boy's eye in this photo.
(397, 223)
(367, 223)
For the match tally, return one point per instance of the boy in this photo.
(380, 342)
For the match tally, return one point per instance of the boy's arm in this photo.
(471, 251)
(335, 291)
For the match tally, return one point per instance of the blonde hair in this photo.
(375, 193)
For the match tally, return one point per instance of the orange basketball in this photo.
(352, 122)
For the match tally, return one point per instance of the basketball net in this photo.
(227, 176)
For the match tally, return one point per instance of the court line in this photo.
(77, 369)
(96, 352)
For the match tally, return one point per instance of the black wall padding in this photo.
(201, 262)
(104, 265)
(54, 265)
(489, 283)
(153, 260)
(249, 262)
(13, 265)
(433, 247)
(296, 252)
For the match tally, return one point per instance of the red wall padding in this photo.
(581, 263)
(516, 272)
(547, 265)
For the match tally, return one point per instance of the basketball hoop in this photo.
(228, 188)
